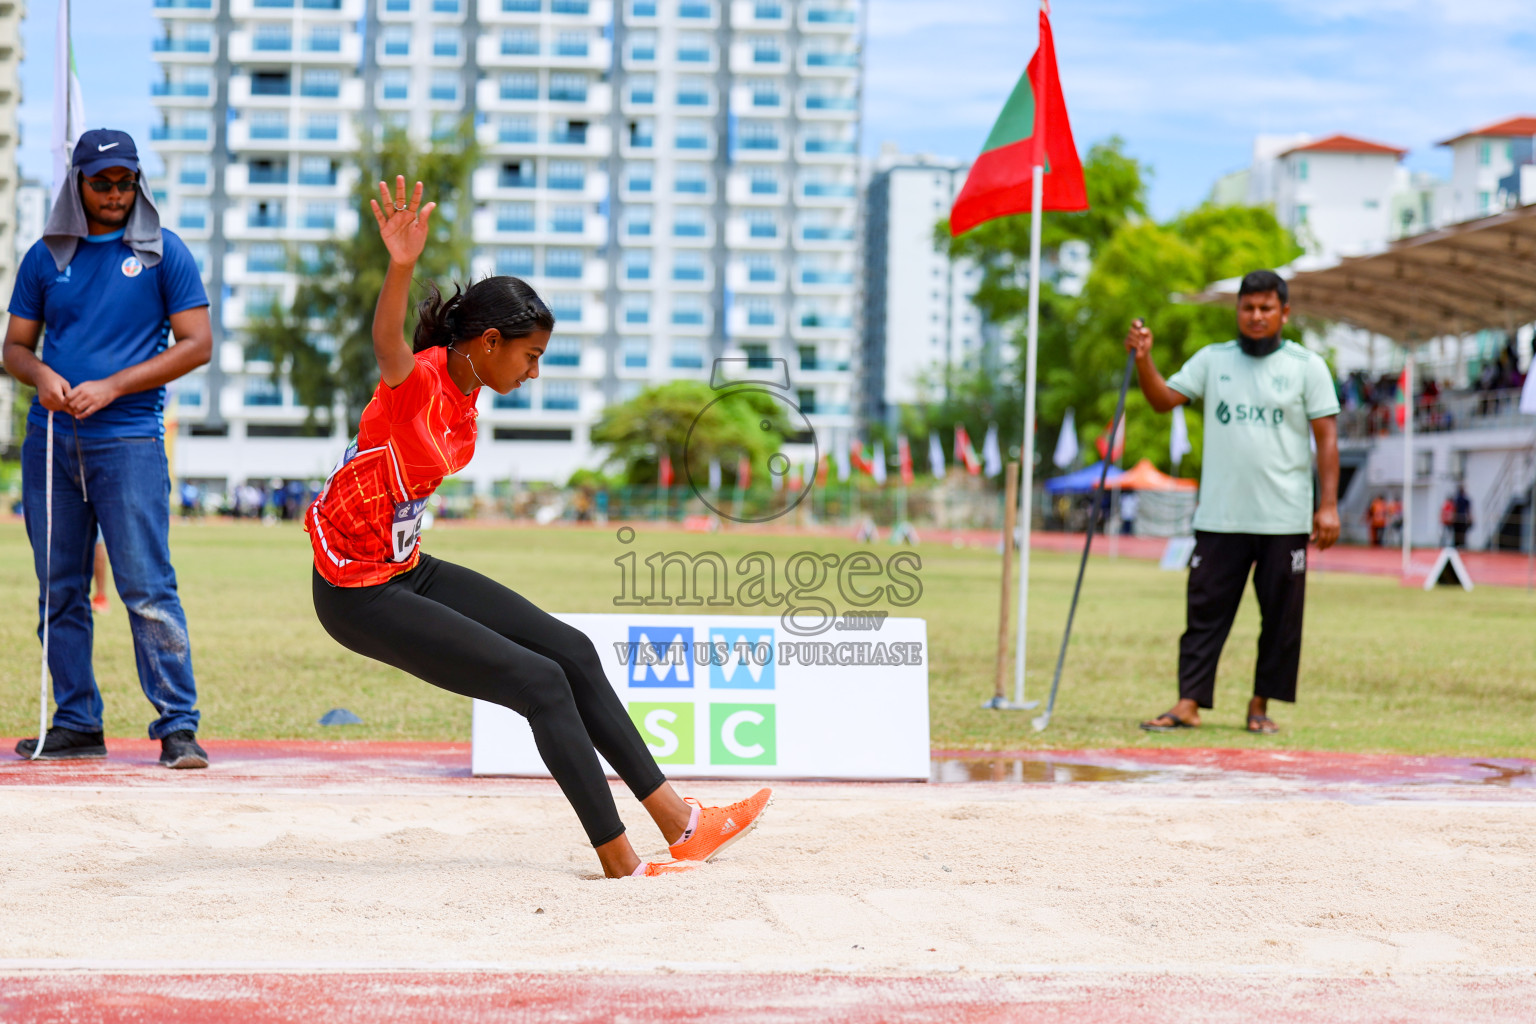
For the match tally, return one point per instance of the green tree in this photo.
(688, 420)
(323, 343)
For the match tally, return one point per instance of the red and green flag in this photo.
(1032, 130)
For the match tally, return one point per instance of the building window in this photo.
(687, 311)
(692, 135)
(692, 179)
(519, 398)
(696, 9)
(1301, 169)
(259, 391)
(806, 400)
(568, 220)
(320, 216)
(567, 175)
(761, 270)
(564, 351)
(194, 169)
(397, 40)
(514, 261)
(693, 48)
(516, 129)
(193, 215)
(687, 354)
(519, 85)
(693, 91)
(765, 181)
(514, 217)
(761, 224)
(516, 174)
(271, 83)
(571, 44)
(688, 265)
(519, 42)
(689, 222)
(759, 135)
(642, 47)
(569, 133)
(642, 90)
(642, 8)
(445, 42)
(760, 312)
(445, 6)
(272, 38)
(396, 84)
(266, 258)
(642, 134)
(637, 309)
(1484, 154)
(766, 50)
(637, 265)
(397, 6)
(269, 124)
(445, 86)
(568, 88)
(317, 170)
(324, 39)
(638, 178)
(637, 353)
(637, 222)
(322, 127)
(561, 395)
(765, 93)
(563, 263)
(321, 83)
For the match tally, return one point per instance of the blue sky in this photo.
(1187, 83)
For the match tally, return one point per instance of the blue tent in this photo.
(1084, 481)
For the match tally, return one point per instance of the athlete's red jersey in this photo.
(365, 526)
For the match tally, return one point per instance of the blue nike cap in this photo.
(101, 148)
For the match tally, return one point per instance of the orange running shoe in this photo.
(650, 869)
(719, 827)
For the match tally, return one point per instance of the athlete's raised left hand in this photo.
(402, 224)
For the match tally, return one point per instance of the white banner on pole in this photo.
(726, 696)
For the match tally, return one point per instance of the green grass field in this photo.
(1385, 668)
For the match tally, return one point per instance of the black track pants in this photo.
(1218, 571)
(469, 634)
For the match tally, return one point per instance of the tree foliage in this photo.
(323, 342)
(724, 425)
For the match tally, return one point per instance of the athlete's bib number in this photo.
(406, 529)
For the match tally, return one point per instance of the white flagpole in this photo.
(1407, 462)
(1027, 449)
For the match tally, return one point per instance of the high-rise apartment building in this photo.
(677, 178)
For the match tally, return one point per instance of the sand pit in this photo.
(899, 880)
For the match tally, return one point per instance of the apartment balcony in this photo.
(299, 137)
(185, 50)
(823, 237)
(742, 323)
(349, 11)
(762, 149)
(182, 138)
(597, 58)
(284, 222)
(816, 192)
(740, 235)
(595, 143)
(828, 63)
(827, 18)
(756, 61)
(818, 150)
(599, 100)
(823, 281)
(821, 325)
(563, 13)
(741, 190)
(827, 106)
(182, 95)
(761, 15)
(348, 97)
(246, 47)
(196, 10)
(492, 229)
(489, 186)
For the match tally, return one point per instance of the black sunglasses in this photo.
(108, 186)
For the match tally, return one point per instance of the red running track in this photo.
(278, 764)
(483, 997)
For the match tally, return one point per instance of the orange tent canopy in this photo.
(1146, 477)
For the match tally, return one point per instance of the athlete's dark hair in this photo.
(506, 303)
(1256, 281)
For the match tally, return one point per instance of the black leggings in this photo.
(469, 634)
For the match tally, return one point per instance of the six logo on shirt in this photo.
(1264, 415)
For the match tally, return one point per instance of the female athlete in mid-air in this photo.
(377, 594)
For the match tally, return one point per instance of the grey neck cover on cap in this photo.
(67, 225)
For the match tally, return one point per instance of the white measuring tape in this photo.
(42, 711)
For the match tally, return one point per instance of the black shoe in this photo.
(180, 750)
(63, 744)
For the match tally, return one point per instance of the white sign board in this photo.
(726, 696)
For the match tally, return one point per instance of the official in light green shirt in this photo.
(1256, 474)
(1262, 398)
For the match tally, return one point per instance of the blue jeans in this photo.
(121, 485)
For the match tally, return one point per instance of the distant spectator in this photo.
(1129, 505)
(1376, 517)
(189, 495)
(1461, 517)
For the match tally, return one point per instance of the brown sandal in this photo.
(1262, 724)
(1167, 722)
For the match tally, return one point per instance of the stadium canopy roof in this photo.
(1472, 276)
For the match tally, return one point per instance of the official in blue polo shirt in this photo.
(105, 290)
